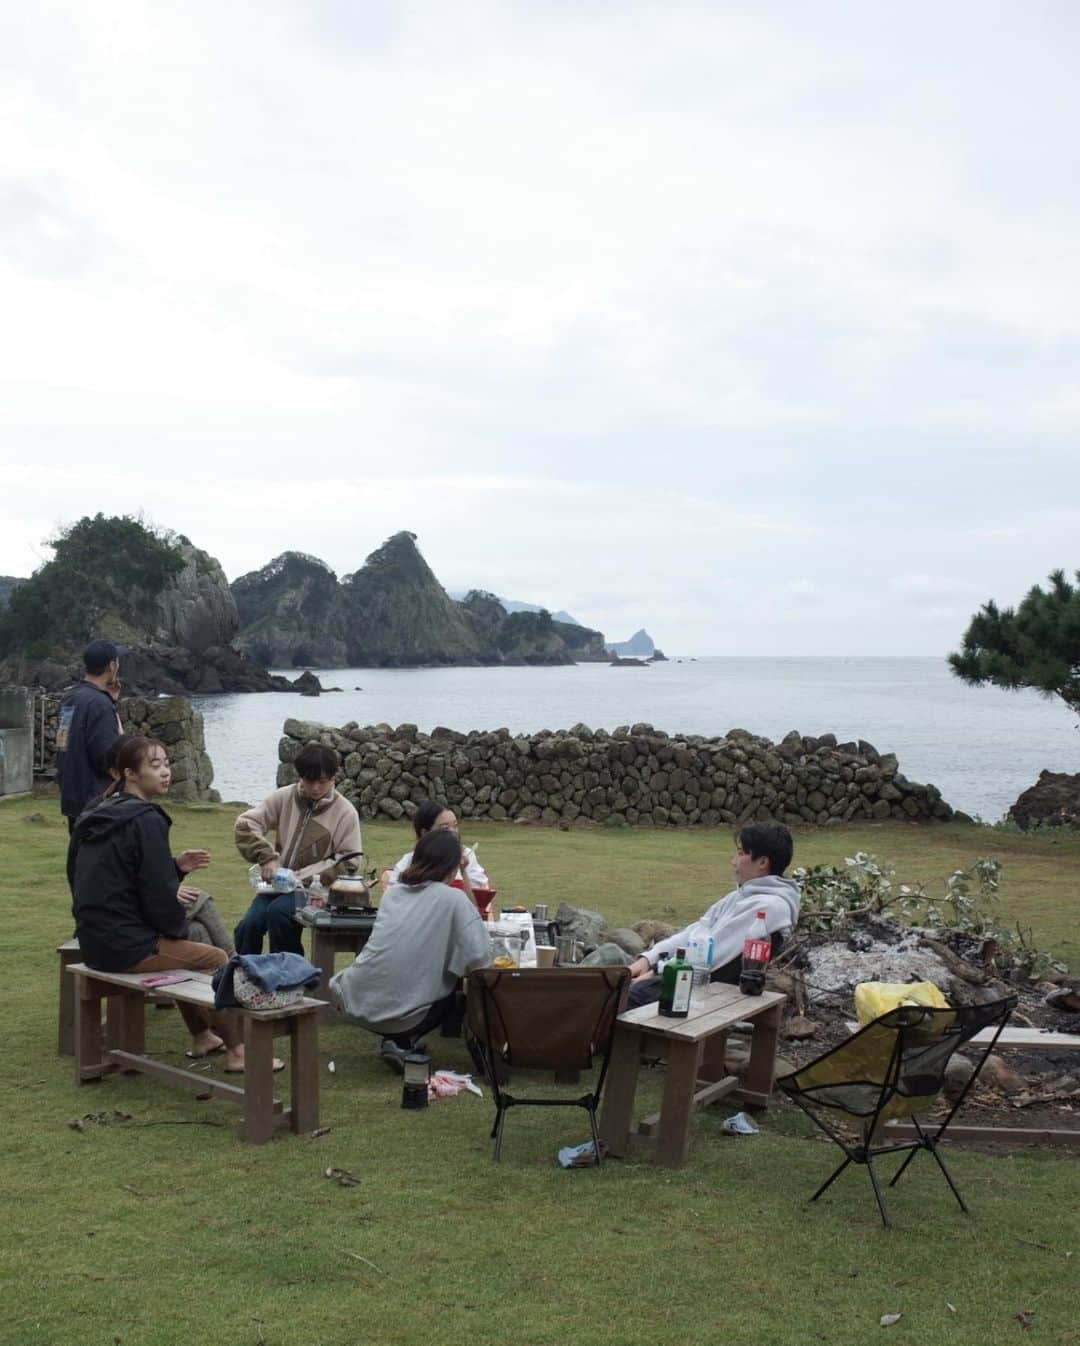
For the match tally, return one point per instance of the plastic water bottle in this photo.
(699, 954)
(284, 881)
(757, 950)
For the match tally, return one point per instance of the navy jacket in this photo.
(124, 882)
(87, 730)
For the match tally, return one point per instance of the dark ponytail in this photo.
(437, 858)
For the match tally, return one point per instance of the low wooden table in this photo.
(694, 1049)
(124, 1047)
(339, 934)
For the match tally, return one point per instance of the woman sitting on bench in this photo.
(125, 883)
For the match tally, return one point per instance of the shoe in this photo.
(393, 1055)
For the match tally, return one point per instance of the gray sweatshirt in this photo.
(729, 920)
(425, 938)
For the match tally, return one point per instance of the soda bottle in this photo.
(676, 983)
(757, 950)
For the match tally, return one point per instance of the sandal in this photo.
(239, 1070)
(201, 1056)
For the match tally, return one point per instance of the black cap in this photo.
(98, 655)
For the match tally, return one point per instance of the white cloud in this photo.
(804, 591)
(625, 307)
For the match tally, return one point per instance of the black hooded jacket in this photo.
(124, 882)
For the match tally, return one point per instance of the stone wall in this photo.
(633, 775)
(172, 719)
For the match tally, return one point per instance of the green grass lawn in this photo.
(159, 1231)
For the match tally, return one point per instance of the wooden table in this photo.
(694, 1049)
(123, 1048)
(341, 934)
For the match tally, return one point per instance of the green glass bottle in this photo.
(675, 986)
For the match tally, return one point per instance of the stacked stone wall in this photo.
(172, 719)
(634, 775)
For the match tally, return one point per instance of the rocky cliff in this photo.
(8, 583)
(292, 613)
(391, 612)
(154, 593)
(399, 615)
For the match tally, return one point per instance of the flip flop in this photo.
(201, 1056)
(239, 1070)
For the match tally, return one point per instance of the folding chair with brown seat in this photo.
(892, 1068)
(545, 1019)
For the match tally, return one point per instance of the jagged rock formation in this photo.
(639, 646)
(292, 613)
(1053, 801)
(392, 613)
(399, 615)
(196, 608)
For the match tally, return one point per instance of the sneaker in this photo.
(393, 1055)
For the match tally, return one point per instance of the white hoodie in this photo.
(729, 920)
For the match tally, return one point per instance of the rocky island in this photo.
(186, 630)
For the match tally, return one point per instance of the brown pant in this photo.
(182, 955)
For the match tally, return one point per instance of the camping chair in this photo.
(545, 1019)
(894, 1067)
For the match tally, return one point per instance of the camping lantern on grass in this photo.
(414, 1090)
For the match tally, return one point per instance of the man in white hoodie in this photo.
(762, 852)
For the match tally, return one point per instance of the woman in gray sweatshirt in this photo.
(427, 936)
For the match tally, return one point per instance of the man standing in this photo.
(89, 725)
(316, 834)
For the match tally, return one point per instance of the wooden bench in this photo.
(123, 1047)
(696, 1075)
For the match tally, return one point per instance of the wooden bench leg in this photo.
(65, 1032)
(760, 1073)
(304, 1043)
(258, 1080)
(89, 1063)
(677, 1108)
(125, 1023)
(617, 1115)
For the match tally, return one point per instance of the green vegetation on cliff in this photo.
(292, 612)
(105, 575)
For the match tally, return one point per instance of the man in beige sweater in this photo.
(316, 834)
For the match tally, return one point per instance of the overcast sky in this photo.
(757, 325)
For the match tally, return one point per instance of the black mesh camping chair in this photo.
(892, 1068)
(545, 1019)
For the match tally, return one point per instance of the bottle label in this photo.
(680, 999)
(757, 950)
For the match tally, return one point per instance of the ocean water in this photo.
(980, 746)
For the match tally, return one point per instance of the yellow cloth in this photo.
(875, 998)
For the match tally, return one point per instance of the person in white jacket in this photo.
(433, 817)
(762, 852)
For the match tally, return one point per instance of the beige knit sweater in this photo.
(309, 838)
